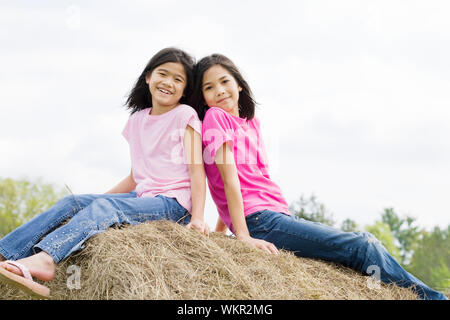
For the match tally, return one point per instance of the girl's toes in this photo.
(10, 268)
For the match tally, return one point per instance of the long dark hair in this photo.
(140, 97)
(246, 101)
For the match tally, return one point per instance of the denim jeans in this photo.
(89, 215)
(360, 251)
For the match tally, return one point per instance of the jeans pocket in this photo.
(185, 218)
(257, 222)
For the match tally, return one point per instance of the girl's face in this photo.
(220, 89)
(166, 84)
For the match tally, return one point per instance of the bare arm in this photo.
(125, 186)
(193, 150)
(226, 165)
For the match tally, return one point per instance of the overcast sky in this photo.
(354, 96)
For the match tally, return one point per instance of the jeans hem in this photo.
(4, 253)
(54, 256)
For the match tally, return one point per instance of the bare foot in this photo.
(41, 266)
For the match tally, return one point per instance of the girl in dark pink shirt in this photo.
(250, 204)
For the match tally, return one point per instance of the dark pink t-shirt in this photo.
(258, 191)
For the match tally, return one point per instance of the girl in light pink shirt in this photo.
(167, 179)
(250, 204)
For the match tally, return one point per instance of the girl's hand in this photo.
(199, 225)
(260, 244)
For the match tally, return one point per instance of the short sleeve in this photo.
(126, 130)
(217, 129)
(194, 122)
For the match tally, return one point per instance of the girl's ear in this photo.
(147, 78)
(240, 89)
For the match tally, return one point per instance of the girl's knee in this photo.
(103, 203)
(67, 199)
(369, 238)
(67, 204)
(373, 246)
(104, 209)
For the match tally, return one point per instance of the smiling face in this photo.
(166, 84)
(220, 89)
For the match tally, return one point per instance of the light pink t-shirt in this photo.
(158, 160)
(244, 138)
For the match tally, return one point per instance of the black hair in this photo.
(246, 101)
(140, 97)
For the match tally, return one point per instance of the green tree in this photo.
(311, 209)
(21, 200)
(404, 232)
(431, 260)
(383, 233)
(349, 225)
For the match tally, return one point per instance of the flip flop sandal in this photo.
(25, 282)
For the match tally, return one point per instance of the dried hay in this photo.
(163, 260)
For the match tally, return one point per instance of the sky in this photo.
(353, 96)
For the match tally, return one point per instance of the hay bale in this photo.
(163, 260)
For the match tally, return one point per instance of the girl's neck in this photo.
(235, 113)
(158, 110)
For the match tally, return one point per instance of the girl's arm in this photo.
(226, 165)
(220, 226)
(125, 186)
(193, 150)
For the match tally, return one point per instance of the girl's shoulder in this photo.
(185, 113)
(181, 111)
(218, 114)
(213, 111)
(216, 117)
(185, 109)
(140, 113)
(215, 114)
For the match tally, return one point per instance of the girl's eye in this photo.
(225, 81)
(178, 79)
(207, 88)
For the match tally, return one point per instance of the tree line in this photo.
(426, 254)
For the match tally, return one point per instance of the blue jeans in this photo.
(360, 251)
(89, 215)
